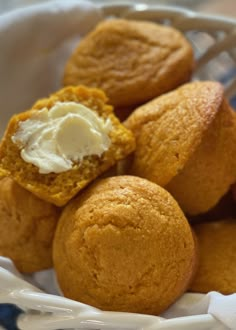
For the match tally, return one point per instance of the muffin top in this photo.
(132, 61)
(125, 245)
(169, 128)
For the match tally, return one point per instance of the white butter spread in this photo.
(55, 139)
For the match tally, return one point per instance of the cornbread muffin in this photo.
(27, 226)
(186, 142)
(124, 245)
(217, 258)
(64, 142)
(132, 61)
(224, 209)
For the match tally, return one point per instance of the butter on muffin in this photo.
(27, 226)
(186, 142)
(132, 61)
(124, 245)
(64, 142)
(217, 259)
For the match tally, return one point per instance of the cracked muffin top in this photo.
(125, 245)
(132, 61)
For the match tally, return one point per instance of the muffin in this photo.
(186, 142)
(64, 142)
(224, 209)
(132, 61)
(217, 259)
(124, 245)
(27, 226)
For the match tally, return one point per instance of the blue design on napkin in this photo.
(8, 316)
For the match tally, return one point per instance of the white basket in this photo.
(213, 40)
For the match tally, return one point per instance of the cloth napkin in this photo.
(35, 43)
(222, 307)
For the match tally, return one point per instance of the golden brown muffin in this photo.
(217, 258)
(186, 142)
(27, 226)
(224, 209)
(58, 188)
(132, 61)
(124, 245)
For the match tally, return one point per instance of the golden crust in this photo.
(217, 258)
(27, 226)
(185, 140)
(169, 128)
(211, 170)
(59, 188)
(132, 61)
(126, 246)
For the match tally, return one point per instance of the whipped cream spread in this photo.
(54, 140)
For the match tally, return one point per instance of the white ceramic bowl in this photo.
(22, 81)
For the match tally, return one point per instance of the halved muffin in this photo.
(64, 142)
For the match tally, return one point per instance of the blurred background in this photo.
(220, 7)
